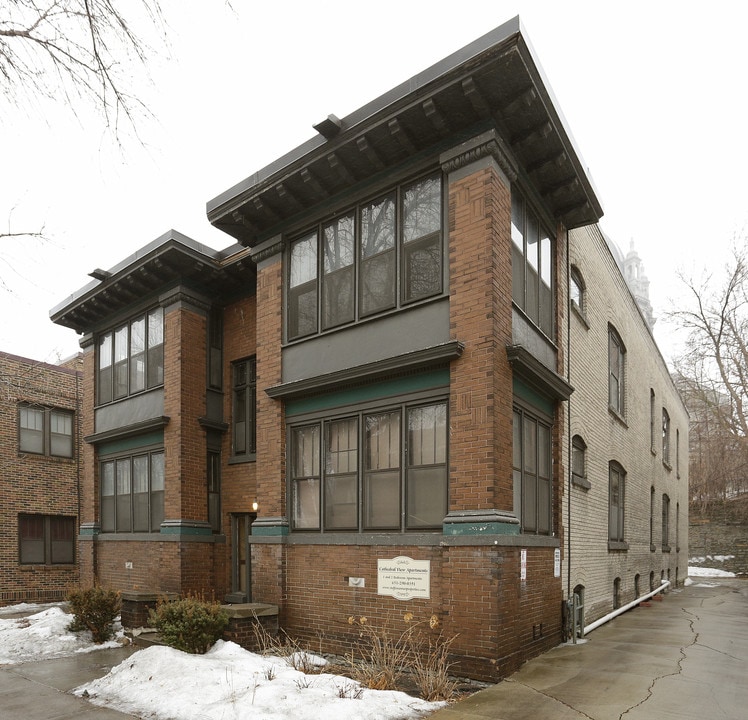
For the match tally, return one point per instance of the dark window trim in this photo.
(246, 387)
(402, 302)
(322, 419)
(130, 455)
(46, 430)
(152, 359)
(47, 540)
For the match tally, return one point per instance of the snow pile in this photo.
(230, 683)
(43, 633)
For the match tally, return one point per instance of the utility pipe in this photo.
(621, 610)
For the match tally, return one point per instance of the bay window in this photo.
(130, 358)
(371, 470)
(132, 493)
(377, 256)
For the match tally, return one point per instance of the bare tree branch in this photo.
(84, 49)
(712, 375)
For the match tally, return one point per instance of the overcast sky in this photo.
(653, 93)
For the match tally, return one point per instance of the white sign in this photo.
(523, 565)
(404, 578)
(557, 562)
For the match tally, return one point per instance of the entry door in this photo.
(241, 561)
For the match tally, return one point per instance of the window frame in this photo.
(533, 285)
(316, 271)
(576, 280)
(244, 404)
(315, 467)
(665, 523)
(526, 471)
(125, 366)
(616, 373)
(579, 455)
(114, 512)
(50, 525)
(617, 510)
(45, 433)
(666, 438)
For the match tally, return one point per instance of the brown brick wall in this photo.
(31, 483)
(271, 429)
(480, 317)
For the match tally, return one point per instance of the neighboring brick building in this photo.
(39, 453)
(359, 409)
(628, 525)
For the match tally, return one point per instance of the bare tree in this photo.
(76, 49)
(713, 378)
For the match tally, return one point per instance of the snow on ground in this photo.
(227, 683)
(708, 572)
(41, 635)
(231, 683)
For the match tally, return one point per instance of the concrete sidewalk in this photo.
(41, 690)
(685, 657)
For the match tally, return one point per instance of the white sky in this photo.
(653, 94)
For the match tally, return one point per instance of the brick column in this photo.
(481, 318)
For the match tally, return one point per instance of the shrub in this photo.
(190, 624)
(94, 609)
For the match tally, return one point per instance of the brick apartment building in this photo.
(360, 408)
(39, 447)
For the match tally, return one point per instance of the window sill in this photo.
(617, 545)
(667, 466)
(240, 460)
(580, 314)
(581, 482)
(666, 548)
(652, 547)
(618, 416)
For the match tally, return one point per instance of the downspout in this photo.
(621, 610)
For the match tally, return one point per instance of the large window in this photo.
(244, 409)
(45, 431)
(532, 265)
(46, 539)
(616, 370)
(131, 357)
(371, 470)
(532, 471)
(378, 256)
(132, 493)
(616, 502)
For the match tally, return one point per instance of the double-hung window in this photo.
(378, 256)
(132, 493)
(532, 472)
(46, 539)
(666, 523)
(131, 357)
(616, 502)
(532, 265)
(45, 431)
(378, 470)
(616, 369)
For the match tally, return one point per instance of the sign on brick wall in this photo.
(404, 578)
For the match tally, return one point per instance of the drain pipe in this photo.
(621, 610)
